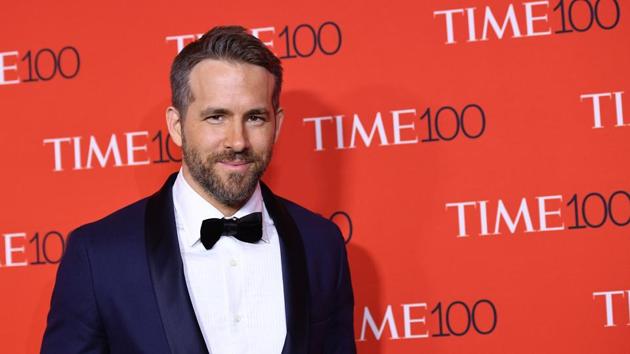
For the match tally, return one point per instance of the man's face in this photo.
(229, 130)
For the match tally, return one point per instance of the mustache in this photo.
(231, 155)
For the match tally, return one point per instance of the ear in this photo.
(174, 124)
(279, 120)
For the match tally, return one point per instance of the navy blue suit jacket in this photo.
(121, 289)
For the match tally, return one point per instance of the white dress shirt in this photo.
(235, 287)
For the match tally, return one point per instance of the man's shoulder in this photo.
(311, 224)
(302, 214)
(124, 221)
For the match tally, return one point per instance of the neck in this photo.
(226, 210)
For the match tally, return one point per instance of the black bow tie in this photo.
(246, 229)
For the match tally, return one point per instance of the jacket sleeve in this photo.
(340, 339)
(74, 325)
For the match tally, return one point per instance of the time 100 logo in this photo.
(39, 65)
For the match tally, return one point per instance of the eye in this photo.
(217, 118)
(257, 119)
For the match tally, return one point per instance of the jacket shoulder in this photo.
(128, 220)
(313, 226)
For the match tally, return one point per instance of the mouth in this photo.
(235, 165)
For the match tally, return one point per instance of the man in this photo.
(214, 262)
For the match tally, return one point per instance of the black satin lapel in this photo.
(167, 274)
(294, 274)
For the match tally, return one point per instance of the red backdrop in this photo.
(474, 153)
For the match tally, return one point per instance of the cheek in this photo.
(263, 137)
(262, 143)
(203, 138)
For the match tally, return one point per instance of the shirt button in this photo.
(233, 262)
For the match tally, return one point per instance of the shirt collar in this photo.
(192, 209)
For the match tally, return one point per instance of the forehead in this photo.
(230, 82)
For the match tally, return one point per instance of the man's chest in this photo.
(237, 292)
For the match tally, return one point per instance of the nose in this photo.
(236, 136)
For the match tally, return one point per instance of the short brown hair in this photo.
(231, 43)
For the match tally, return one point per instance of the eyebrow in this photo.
(259, 111)
(222, 111)
(214, 110)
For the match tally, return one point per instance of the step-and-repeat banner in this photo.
(474, 153)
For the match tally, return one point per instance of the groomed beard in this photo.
(238, 187)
